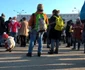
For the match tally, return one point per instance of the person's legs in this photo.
(84, 47)
(25, 39)
(40, 42)
(68, 42)
(74, 45)
(57, 46)
(52, 46)
(21, 40)
(48, 43)
(31, 44)
(79, 43)
(1, 41)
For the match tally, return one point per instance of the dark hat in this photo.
(40, 6)
(10, 18)
(55, 11)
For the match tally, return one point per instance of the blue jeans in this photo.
(1, 40)
(33, 36)
(53, 42)
(13, 34)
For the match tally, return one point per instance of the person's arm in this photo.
(52, 20)
(47, 22)
(32, 20)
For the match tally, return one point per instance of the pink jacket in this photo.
(14, 26)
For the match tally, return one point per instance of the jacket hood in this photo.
(13, 21)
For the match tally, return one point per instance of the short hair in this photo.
(24, 18)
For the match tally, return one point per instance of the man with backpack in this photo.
(56, 29)
(38, 25)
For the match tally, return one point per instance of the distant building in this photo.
(64, 16)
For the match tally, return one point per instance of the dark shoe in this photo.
(56, 51)
(29, 54)
(67, 46)
(7, 50)
(78, 49)
(73, 48)
(48, 46)
(84, 51)
(10, 50)
(51, 52)
(39, 54)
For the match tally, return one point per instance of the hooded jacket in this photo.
(14, 25)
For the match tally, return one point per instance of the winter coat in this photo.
(7, 26)
(14, 26)
(32, 20)
(10, 43)
(24, 28)
(53, 34)
(77, 31)
(2, 26)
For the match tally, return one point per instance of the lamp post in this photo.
(76, 10)
(22, 11)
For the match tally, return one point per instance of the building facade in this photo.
(64, 16)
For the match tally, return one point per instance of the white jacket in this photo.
(10, 42)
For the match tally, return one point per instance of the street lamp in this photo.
(22, 11)
(76, 10)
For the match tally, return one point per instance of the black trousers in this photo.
(23, 40)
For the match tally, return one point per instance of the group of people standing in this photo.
(38, 25)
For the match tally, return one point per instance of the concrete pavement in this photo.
(65, 60)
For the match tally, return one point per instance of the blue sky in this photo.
(29, 6)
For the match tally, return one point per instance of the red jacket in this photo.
(77, 28)
(13, 26)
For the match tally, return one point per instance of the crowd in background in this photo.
(25, 31)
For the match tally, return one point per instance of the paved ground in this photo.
(65, 60)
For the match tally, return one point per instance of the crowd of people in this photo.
(40, 28)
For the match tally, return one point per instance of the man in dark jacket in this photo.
(54, 35)
(7, 23)
(2, 27)
(68, 33)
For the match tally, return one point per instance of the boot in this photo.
(10, 50)
(68, 45)
(84, 47)
(73, 48)
(29, 54)
(56, 51)
(39, 54)
(78, 46)
(51, 52)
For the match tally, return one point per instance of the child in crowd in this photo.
(9, 42)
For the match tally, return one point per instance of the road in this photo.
(65, 60)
